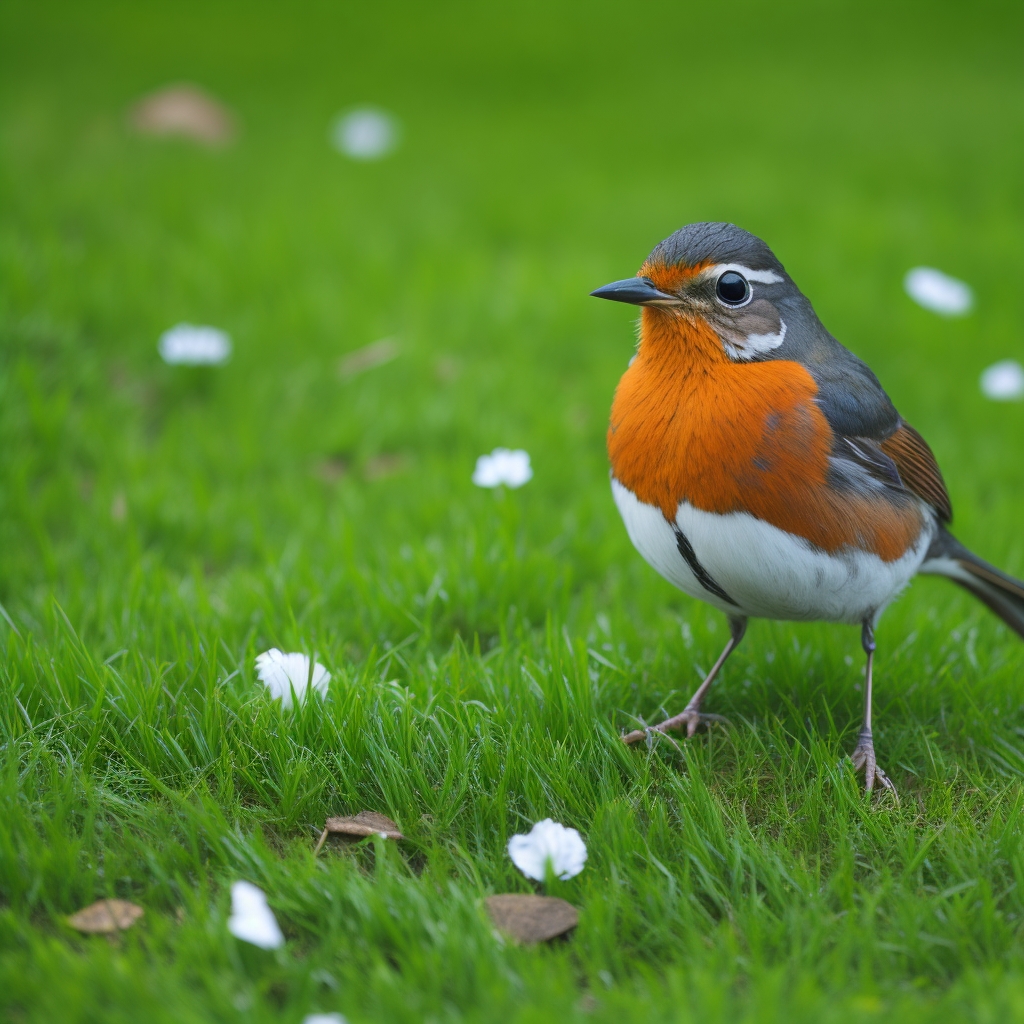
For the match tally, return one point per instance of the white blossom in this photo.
(365, 134)
(938, 292)
(188, 345)
(548, 841)
(324, 1018)
(287, 676)
(503, 466)
(1003, 381)
(251, 919)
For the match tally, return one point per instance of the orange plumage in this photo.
(689, 424)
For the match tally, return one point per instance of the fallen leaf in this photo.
(184, 110)
(530, 918)
(448, 369)
(366, 358)
(382, 466)
(105, 916)
(331, 469)
(359, 826)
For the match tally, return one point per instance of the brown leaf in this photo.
(381, 466)
(359, 826)
(366, 358)
(184, 110)
(105, 916)
(331, 469)
(531, 918)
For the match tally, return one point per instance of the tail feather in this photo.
(1002, 593)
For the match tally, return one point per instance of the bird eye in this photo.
(733, 288)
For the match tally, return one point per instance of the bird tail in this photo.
(1002, 593)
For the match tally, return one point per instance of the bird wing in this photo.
(902, 461)
(918, 469)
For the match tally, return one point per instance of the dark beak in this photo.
(638, 290)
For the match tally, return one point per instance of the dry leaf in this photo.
(366, 358)
(531, 918)
(359, 826)
(448, 369)
(106, 916)
(184, 110)
(331, 469)
(381, 466)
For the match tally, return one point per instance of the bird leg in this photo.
(691, 715)
(863, 755)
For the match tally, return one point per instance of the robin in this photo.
(759, 465)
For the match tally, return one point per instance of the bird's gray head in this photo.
(722, 276)
(727, 277)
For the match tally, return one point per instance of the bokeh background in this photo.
(544, 151)
(161, 525)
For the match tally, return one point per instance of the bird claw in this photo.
(691, 718)
(863, 758)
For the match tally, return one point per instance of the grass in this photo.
(159, 526)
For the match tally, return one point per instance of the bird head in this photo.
(720, 276)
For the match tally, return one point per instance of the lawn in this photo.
(161, 526)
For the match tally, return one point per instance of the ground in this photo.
(161, 526)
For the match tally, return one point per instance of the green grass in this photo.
(486, 648)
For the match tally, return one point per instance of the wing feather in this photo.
(918, 469)
(901, 463)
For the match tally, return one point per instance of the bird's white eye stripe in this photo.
(759, 276)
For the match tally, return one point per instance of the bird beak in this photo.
(638, 290)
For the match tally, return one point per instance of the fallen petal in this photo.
(106, 916)
(530, 918)
(548, 842)
(1003, 381)
(503, 466)
(288, 678)
(189, 345)
(938, 292)
(251, 918)
(365, 134)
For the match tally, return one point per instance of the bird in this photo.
(759, 466)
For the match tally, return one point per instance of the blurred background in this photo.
(536, 153)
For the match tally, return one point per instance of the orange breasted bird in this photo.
(759, 465)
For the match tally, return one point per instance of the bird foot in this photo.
(863, 758)
(690, 717)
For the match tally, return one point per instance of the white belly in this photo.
(768, 573)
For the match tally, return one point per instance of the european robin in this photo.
(759, 465)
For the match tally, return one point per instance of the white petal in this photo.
(1003, 381)
(365, 134)
(938, 292)
(321, 679)
(286, 676)
(548, 841)
(517, 468)
(270, 667)
(186, 345)
(503, 466)
(324, 1018)
(251, 919)
(485, 474)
